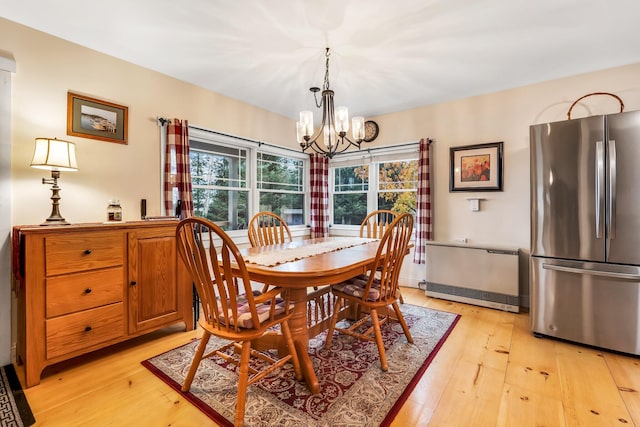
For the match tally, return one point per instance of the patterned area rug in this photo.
(14, 408)
(354, 391)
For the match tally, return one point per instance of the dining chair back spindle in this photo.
(268, 228)
(231, 309)
(375, 224)
(377, 290)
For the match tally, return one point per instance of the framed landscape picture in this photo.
(476, 167)
(93, 118)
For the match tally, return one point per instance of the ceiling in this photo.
(387, 56)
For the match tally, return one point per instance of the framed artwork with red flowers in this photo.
(476, 167)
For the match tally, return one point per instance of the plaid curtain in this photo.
(319, 179)
(177, 170)
(424, 212)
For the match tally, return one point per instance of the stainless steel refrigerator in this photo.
(585, 230)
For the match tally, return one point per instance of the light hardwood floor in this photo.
(491, 371)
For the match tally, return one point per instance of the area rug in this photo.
(14, 408)
(354, 391)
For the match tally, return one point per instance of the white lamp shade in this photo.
(300, 132)
(306, 118)
(358, 127)
(329, 136)
(342, 119)
(54, 154)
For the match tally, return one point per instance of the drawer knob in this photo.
(87, 291)
(87, 252)
(133, 283)
(87, 328)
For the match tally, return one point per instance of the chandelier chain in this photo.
(326, 72)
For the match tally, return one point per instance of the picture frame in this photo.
(96, 119)
(476, 167)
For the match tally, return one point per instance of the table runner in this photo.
(269, 259)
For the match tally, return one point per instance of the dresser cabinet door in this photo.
(155, 295)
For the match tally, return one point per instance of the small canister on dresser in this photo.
(114, 211)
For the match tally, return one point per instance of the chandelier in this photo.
(334, 126)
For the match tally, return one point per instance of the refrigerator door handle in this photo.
(576, 270)
(611, 208)
(599, 188)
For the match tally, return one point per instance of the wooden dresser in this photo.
(88, 286)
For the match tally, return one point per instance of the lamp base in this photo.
(55, 218)
(55, 221)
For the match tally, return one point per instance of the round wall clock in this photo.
(370, 130)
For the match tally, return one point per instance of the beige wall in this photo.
(48, 67)
(502, 116)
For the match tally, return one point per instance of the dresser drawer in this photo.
(81, 291)
(82, 330)
(68, 253)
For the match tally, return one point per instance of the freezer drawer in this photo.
(586, 302)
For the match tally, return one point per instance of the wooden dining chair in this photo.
(376, 292)
(375, 224)
(231, 310)
(268, 228)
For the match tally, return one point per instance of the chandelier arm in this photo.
(355, 143)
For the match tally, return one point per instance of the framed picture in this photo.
(476, 167)
(96, 119)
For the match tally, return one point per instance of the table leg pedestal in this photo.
(298, 326)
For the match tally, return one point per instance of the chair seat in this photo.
(355, 287)
(244, 311)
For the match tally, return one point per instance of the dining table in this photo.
(303, 264)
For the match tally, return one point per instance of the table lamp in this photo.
(54, 155)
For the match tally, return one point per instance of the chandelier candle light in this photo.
(54, 155)
(334, 126)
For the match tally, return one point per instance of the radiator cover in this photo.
(482, 275)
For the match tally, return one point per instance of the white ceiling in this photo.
(387, 55)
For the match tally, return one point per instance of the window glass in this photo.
(397, 186)
(280, 182)
(350, 187)
(219, 181)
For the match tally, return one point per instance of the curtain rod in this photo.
(390, 147)
(162, 121)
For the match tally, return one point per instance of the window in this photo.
(280, 182)
(233, 179)
(398, 186)
(363, 185)
(350, 188)
(219, 181)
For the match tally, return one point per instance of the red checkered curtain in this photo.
(319, 179)
(177, 169)
(424, 213)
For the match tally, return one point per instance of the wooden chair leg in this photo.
(332, 324)
(376, 327)
(196, 361)
(403, 323)
(243, 382)
(400, 296)
(292, 350)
